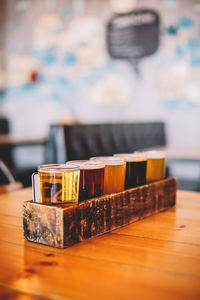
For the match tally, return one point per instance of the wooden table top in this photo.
(156, 258)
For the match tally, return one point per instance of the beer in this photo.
(135, 169)
(155, 166)
(122, 155)
(114, 176)
(91, 180)
(76, 162)
(59, 183)
(102, 158)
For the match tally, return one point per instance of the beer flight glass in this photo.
(155, 166)
(135, 169)
(59, 183)
(114, 173)
(80, 180)
(91, 179)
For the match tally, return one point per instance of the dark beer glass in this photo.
(136, 166)
(91, 179)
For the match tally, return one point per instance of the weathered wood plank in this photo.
(63, 226)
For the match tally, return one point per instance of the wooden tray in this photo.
(62, 226)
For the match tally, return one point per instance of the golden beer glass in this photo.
(59, 183)
(155, 166)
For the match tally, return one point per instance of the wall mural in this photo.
(99, 61)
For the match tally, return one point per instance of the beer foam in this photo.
(122, 155)
(133, 158)
(76, 162)
(154, 154)
(114, 162)
(58, 168)
(102, 158)
(108, 160)
(92, 165)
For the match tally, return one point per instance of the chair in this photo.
(7, 180)
(70, 142)
(4, 126)
(6, 150)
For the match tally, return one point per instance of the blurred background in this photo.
(65, 61)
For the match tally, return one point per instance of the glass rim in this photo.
(58, 168)
(116, 155)
(112, 162)
(77, 162)
(136, 158)
(92, 165)
(155, 154)
(116, 162)
(133, 157)
(95, 158)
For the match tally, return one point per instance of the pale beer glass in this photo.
(59, 183)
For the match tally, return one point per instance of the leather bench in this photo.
(81, 141)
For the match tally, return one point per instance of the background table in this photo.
(9, 140)
(156, 258)
(22, 155)
(183, 157)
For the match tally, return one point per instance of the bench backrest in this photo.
(69, 142)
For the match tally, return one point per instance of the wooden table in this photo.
(9, 140)
(157, 258)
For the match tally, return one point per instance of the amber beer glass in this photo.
(155, 165)
(59, 183)
(114, 174)
(102, 158)
(135, 169)
(114, 177)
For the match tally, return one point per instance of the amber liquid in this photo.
(135, 173)
(91, 183)
(59, 187)
(155, 169)
(114, 178)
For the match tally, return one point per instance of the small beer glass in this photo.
(59, 183)
(135, 169)
(155, 165)
(91, 180)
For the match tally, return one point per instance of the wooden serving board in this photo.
(62, 225)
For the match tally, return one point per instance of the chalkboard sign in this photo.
(133, 35)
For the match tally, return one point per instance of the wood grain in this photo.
(12, 294)
(158, 258)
